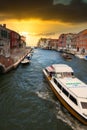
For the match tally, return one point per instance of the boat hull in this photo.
(65, 104)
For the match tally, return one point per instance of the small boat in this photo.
(85, 57)
(66, 56)
(70, 91)
(29, 56)
(25, 61)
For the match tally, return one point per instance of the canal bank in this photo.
(11, 62)
(77, 54)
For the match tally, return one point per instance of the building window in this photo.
(8, 35)
(58, 85)
(1, 33)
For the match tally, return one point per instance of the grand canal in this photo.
(27, 102)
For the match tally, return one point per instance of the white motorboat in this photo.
(70, 90)
(25, 61)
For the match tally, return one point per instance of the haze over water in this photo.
(28, 103)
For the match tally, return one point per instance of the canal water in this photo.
(26, 100)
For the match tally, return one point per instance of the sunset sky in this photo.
(44, 18)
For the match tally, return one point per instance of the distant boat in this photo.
(66, 56)
(25, 61)
(70, 91)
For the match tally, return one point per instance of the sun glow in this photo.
(34, 29)
(31, 39)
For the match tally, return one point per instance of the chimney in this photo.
(4, 25)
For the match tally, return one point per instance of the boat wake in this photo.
(60, 112)
(43, 95)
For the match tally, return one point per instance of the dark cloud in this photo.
(74, 12)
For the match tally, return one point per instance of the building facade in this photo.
(62, 41)
(4, 41)
(81, 40)
(14, 39)
(10, 40)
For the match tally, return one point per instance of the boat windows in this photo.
(65, 92)
(67, 74)
(55, 81)
(84, 105)
(73, 99)
(50, 73)
(46, 70)
(72, 73)
(59, 75)
(58, 85)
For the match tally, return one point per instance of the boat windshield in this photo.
(52, 74)
(65, 74)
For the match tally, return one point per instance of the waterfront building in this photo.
(22, 41)
(66, 41)
(10, 42)
(81, 40)
(14, 39)
(73, 43)
(48, 43)
(69, 41)
(53, 44)
(44, 43)
(4, 41)
(62, 41)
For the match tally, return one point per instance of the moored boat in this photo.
(25, 61)
(70, 90)
(66, 56)
(85, 57)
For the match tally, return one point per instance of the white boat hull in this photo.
(25, 61)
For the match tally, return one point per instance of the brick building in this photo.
(14, 39)
(81, 40)
(4, 40)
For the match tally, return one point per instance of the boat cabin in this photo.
(50, 71)
(59, 72)
(69, 87)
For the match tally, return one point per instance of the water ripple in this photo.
(27, 102)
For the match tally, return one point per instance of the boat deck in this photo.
(76, 86)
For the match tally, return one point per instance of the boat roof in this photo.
(62, 68)
(50, 69)
(76, 86)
